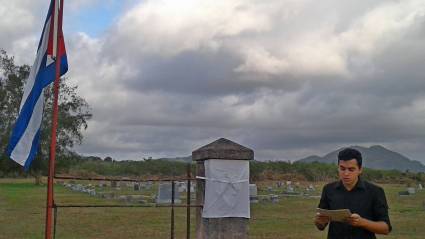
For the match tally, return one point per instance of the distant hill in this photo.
(187, 159)
(376, 157)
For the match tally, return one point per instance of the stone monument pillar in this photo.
(235, 155)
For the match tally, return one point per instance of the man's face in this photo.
(349, 171)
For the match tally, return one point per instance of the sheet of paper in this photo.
(339, 215)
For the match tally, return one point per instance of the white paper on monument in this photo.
(226, 189)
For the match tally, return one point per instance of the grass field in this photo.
(22, 213)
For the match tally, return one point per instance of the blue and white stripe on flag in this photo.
(25, 139)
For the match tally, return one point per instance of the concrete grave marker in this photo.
(290, 189)
(164, 194)
(253, 197)
(269, 189)
(181, 187)
(411, 190)
(274, 198)
(148, 185)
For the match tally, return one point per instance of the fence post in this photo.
(223, 227)
(188, 198)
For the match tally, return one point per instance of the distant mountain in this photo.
(376, 157)
(187, 159)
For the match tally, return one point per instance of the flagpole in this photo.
(50, 202)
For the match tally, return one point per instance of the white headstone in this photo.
(148, 185)
(181, 187)
(253, 198)
(420, 187)
(164, 194)
(92, 192)
(311, 188)
(102, 184)
(274, 198)
(290, 189)
(411, 190)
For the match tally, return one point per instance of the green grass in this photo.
(22, 215)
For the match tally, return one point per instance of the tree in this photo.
(74, 112)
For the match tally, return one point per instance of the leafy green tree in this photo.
(74, 112)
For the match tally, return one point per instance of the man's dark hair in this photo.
(349, 154)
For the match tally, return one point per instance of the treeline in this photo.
(278, 170)
(76, 165)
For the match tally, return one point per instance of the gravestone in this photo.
(164, 194)
(148, 185)
(142, 185)
(91, 192)
(420, 187)
(269, 189)
(181, 187)
(136, 187)
(123, 198)
(289, 189)
(274, 198)
(253, 197)
(78, 188)
(106, 195)
(114, 184)
(411, 190)
(403, 193)
(310, 188)
(123, 184)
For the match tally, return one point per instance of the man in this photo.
(365, 200)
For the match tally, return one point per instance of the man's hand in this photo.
(379, 227)
(355, 220)
(321, 221)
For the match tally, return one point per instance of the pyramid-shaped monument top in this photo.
(223, 149)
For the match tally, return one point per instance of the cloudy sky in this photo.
(287, 78)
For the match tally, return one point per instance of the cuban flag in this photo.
(25, 139)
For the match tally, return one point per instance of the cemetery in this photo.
(269, 220)
(144, 193)
(104, 129)
(223, 199)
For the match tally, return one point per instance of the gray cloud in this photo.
(286, 78)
